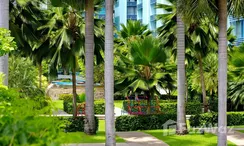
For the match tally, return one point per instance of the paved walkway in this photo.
(140, 139)
(236, 137)
(232, 135)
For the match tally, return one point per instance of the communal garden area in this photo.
(151, 80)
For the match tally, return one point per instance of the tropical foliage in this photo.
(7, 43)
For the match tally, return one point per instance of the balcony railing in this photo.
(132, 17)
(153, 1)
(239, 41)
(233, 19)
(131, 4)
(139, 6)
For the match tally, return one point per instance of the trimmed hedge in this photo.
(169, 107)
(211, 119)
(77, 124)
(192, 108)
(99, 107)
(142, 122)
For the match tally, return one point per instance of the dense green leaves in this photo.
(7, 43)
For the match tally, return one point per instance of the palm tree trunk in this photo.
(181, 127)
(222, 74)
(205, 105)
(74, 92)
(40, 75)
(109, 76)
(4, 23)
(89, 127)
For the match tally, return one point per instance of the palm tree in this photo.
(24, 21)
(109, 75)
(139, 67)
(89, 62)
(4, 23)
(222, 73)
(181, 127)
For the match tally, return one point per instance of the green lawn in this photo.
(239, 126)
(81, 137)
(192, 139)
(242, 131)
(118, 103)
(57, 104)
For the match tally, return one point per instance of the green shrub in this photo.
(23, 75)
(77, 124)
(8, 94)
(82, 97)
(143, 106)
(99, 107)
(69, 98)
(20, 124)
(166, 106)
(66, 97)
(142, 122)
(207, 119)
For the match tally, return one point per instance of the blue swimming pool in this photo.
(66, 83)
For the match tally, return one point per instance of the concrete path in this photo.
(140, 139)
(232, 135)
(236, 137)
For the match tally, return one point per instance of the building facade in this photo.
(124, 10)
(238, 31)
(142, 10)
(147, 12)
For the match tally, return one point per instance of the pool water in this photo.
(65, 83)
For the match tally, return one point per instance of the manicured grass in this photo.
(58, 104)
(118, 103)
(242, 131)
(81, 137)
(239, 126)
(192, 139)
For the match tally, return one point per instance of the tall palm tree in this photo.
(89, 61)
(109, 75)
(222, 73)
(25, 18)
(4, 23)
(181, 127)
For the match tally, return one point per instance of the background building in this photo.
(238, 25)
(146, 13)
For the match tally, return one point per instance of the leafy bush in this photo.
(20, 124)
(145, 122)
(134, 104)
(191, 108)
(8, 94)
(69, 97)
(7, 42)
(23, 76)
(119, 96)
(99, 107)
(168, 106)
(77, 124)
(207, 119)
